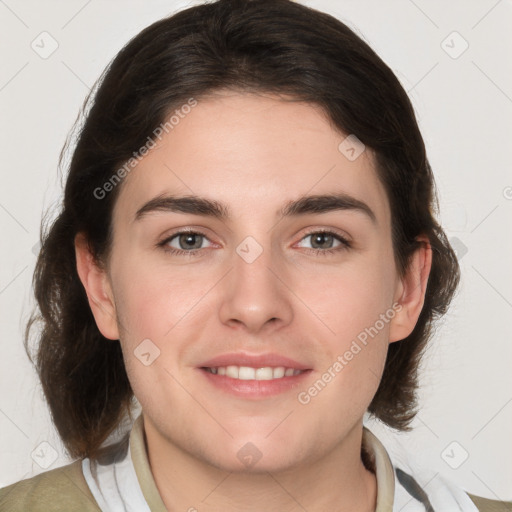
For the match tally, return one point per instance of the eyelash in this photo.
(345, 244)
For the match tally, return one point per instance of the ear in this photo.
(97, 287)
(410, 293)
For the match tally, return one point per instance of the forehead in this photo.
(254, 153)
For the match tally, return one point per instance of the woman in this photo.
(246, 249)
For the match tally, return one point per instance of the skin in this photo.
(254, 153)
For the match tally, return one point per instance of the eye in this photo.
(185, 241)
(324, 241)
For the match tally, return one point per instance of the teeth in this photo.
(263, 374)
(248, 373)
(232, 371)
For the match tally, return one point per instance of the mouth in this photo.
(254, 376)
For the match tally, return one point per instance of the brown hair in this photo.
(274, 46)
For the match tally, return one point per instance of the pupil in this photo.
(322, 240)
(190, 241)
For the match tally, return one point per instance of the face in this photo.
(255, 314)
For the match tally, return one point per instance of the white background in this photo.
(464, 107)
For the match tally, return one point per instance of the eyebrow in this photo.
(314, 204)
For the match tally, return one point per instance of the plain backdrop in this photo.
(454, 60)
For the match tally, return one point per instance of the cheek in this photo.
(354, 304)
(153, 308)
(356, 310)
(351, 296)
(158, 310)
(150, 303)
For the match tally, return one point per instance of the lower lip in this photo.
(255, 388)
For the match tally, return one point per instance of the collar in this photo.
(383, 469)
(142, 468)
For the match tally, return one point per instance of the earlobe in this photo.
(410, 293)
(97, 288)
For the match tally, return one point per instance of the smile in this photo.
(249, 373)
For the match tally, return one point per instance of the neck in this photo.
(337, 481)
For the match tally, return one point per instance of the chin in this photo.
(255, 457)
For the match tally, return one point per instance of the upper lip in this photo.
(253, 360)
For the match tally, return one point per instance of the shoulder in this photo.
(415, 482)
(61, 489)
(486, 505)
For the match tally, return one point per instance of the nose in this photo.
(255, 296)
